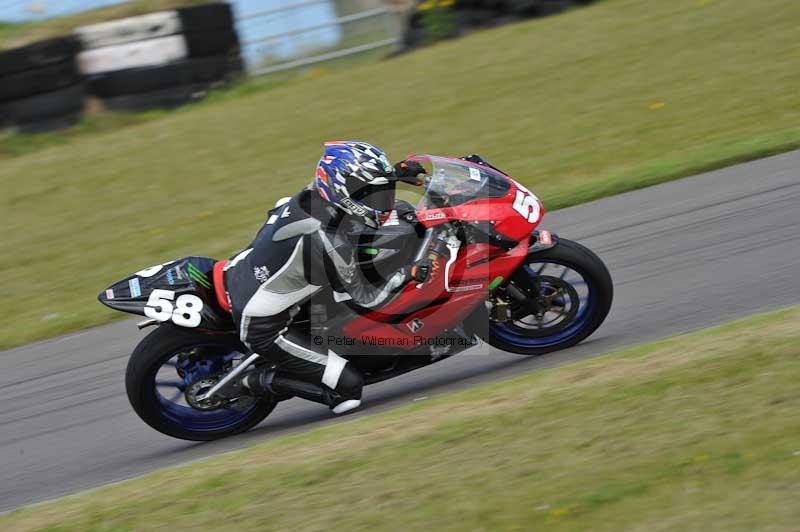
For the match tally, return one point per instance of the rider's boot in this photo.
(344, 398)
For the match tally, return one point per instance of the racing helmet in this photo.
(357, 178)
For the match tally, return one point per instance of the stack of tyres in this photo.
(161, 59)
(40, 86)
(465, 15)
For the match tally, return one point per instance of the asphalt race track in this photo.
(684, 255)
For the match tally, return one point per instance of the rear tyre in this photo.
(38, 81)
(168, 98)
(45, 108)
(209, 43)
(38, 54)
(578, 290)
(206, 17)
(152, 363)
(141, 80)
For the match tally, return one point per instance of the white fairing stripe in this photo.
(301, 352)
(333, 370)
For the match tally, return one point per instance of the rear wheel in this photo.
(171, 367)
(567, 294)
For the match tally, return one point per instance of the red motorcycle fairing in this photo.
(515, 214)
(421, 312)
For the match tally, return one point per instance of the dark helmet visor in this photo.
(378, 197)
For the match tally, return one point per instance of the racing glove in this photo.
(423, 270)
(407, 171)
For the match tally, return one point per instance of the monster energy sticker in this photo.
(198, 276)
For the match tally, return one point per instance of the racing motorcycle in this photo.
(491, 276)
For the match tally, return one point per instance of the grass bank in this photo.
(615, 96)
(697, 432)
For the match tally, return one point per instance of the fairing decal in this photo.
(181, 292)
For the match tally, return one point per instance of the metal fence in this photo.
(307, 32)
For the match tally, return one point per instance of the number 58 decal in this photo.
(185, 312)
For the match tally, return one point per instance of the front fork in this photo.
(522, 295)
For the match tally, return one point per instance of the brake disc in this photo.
(555, 295)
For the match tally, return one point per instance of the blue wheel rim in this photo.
(168, 386)
(516, 336)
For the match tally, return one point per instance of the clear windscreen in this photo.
(450, 182)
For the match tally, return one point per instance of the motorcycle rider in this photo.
(305, 246)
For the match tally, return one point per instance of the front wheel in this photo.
(172, 366)
(555, 299)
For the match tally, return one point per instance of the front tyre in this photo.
(567, 294)
(168, 365)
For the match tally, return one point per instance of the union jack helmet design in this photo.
(357, 178)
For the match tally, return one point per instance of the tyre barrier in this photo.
(151, 52)
(465, 15)
(170, 87)
(38, 54)
(168, 98)
(150, 26)
(46, 111)
(38, 81)
(218, 42)
(136, 59)
(143, 80)
(206, 17)
(40, 86)
(161, 59)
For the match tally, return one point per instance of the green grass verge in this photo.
(19, 34)
(612, 97)
(697, 432)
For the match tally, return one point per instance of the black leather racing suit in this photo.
(291, 259)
